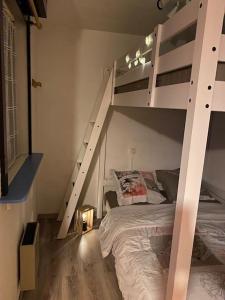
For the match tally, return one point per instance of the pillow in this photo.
(111, 199)
(155, 197)
(130, 187)
(170, 179)
(154, 188)
(151, 181)
(169, 182)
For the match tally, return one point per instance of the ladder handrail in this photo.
(73, 175)
(100, 119)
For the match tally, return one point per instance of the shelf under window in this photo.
(22, 182)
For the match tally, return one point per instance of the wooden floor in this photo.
(73, 269)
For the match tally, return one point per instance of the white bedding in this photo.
(127, 232)
(213, 235)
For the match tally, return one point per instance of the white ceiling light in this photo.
(148, 40)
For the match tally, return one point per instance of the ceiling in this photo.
(124, 16)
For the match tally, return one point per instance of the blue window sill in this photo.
(22, 182)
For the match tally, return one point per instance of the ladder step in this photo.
(81, 153)
(70, 186)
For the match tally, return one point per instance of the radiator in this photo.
(29, 257)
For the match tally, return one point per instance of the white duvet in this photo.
(127, 232)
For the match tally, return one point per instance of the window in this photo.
(10, 85)
(14, 99)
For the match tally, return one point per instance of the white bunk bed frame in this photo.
(202, 95)
(173, 60)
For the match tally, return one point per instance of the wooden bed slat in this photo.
(172, 96)
(135, 74)
(176, 59)
(174, 77)
(176, 96)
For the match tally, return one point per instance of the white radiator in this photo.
(29, 257)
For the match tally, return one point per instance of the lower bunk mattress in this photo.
(140, 240)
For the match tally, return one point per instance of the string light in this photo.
(148, 40)
(127, 58)
(130, 65)
(136, 62)
(138, 53)
(142, 60)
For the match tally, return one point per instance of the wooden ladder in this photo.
(85, 156)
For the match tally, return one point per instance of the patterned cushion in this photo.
(130, 187)
(136, 187)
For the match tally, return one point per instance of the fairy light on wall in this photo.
(142, 60)
(136, 62)
(127, 58)
(148, 40)
(140, 56)
(138, 53)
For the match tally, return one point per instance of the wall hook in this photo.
(36, 84)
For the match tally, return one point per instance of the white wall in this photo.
(70, 65)
(12, 221)
(155, 134)
(14, 217)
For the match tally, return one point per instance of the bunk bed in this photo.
(167, 71)
(169, 61)
(170, 72)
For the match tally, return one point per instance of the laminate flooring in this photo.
(73, 269)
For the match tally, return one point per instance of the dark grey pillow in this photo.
(169, 180)
(111, 198)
